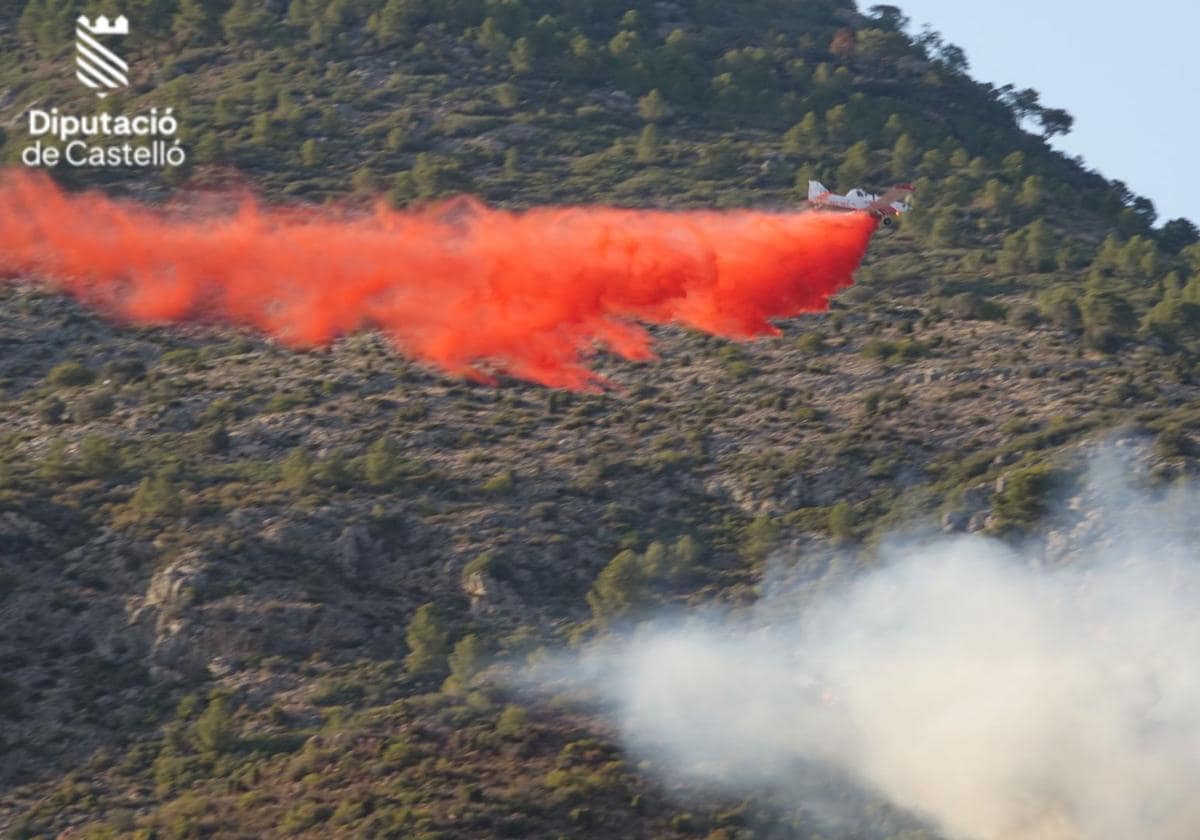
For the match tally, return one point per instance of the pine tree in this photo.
(157, 496)
(841, 521)
(214, 733)
(492, 38)
(621, 587)
(836, 123)
(933, 164)
(310, 153)
(44, 22)
(210, 148)
(945, 230)
(300, 13)
(1033, 193)
(193, 22)
(855, 166)
(427, 642)
(904, 155)
(1014, 165)
(297, 470)
(893, 129)
(246, 20)
(466, 661)
(1040, 245)
(804, 138)
(1191, 292)
(653, 107)
(997, 197)
(521, 56)
(759, 538)
(685, 556)
(1014, 255)
(648, 144)
(383, 465)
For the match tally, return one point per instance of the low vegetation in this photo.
(251, 592)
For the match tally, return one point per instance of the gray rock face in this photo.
(972, 512)
(490, 596)
(177, 585)
(162, 616)
(353, 550)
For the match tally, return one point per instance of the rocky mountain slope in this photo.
(214, 551)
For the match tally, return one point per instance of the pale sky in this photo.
(1128, 73)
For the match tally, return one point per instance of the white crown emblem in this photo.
(102, 26)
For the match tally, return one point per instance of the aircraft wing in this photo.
(884, 203)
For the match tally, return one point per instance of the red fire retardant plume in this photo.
(461, 286)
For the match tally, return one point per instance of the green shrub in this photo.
(214, 732)
(218, 411)
(841, 521)
(884, 401)
(466, 661)
(52, 412)
(71, 375)
(281, 403)
(500, 485)
(878, 349)
(1024, 315)
(759, 538)
(93, 406)
(907, 349)
(297, 470)
(212, 441)
(970, 306)
(157, 496)
(99, 457)
(428, 642)
(304, 816)
(57, 464)
(337, 471)
(512, 722)
(621, 588)
(813, 342)
(1173, 442)
(1108, 320)
(350, 811)
(683, 558)
(400, 754)
(184, 357)
(1061, 307)
(123, 371)
(383, 465)
(1023, 497)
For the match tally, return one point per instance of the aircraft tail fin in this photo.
(816, 189)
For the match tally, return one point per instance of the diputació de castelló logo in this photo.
(147, 139)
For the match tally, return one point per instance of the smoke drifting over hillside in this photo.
(959, 680)
(467, 288)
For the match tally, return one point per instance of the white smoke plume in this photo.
(991, 692)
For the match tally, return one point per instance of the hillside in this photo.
(215, 553)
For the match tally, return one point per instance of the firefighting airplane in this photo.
(886, 207)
